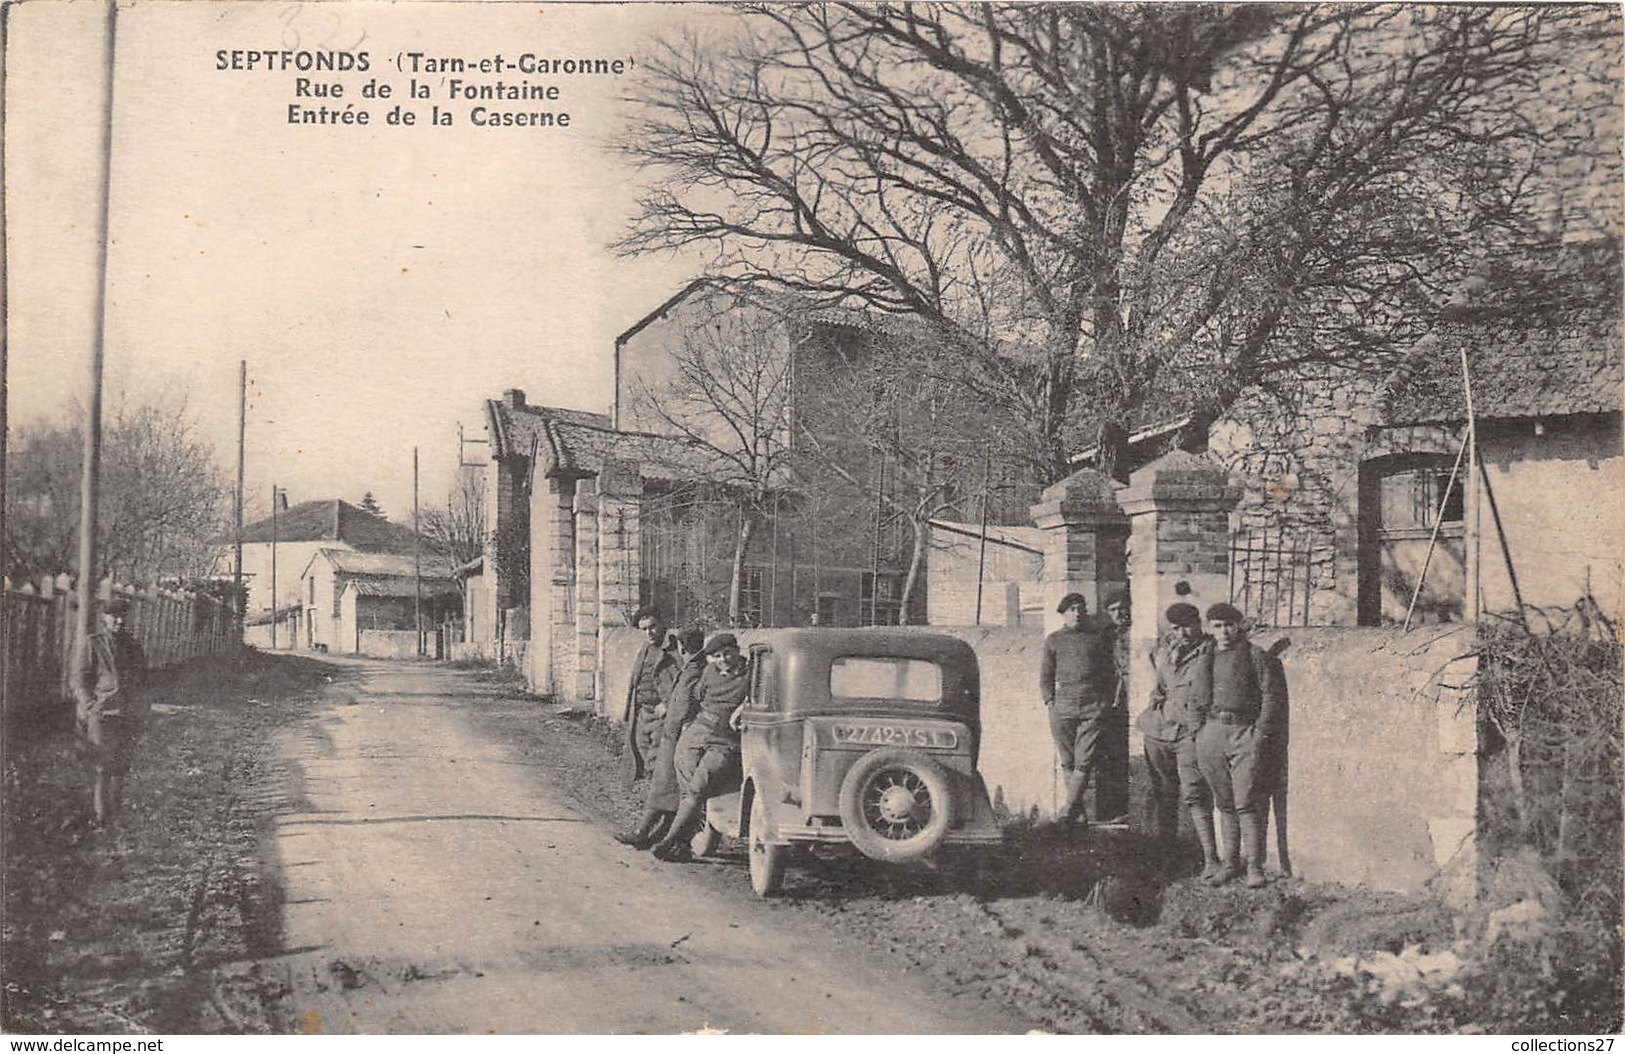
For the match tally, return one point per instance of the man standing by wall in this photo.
(1242, 700)
(1169, 727)
(664, 792)
(654, 672)
(1112, 797)
(1075, 679)
(112, 706)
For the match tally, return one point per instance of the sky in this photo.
(381, 281)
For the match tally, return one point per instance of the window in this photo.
(881, 609)
(1412, 549)
(863, 678)
(750, 598)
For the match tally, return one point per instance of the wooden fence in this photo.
(36, 633)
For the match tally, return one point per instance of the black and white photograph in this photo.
(878, 519)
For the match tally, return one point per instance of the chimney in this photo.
(514, 399)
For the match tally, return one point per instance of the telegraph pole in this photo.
(273, 566)
(417, 558)
(239, 600)
(90, 479)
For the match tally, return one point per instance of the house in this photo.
(835, 547)
(1355, 484)
(369, 603)
(289, 538)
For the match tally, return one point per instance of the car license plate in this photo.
(878, 735)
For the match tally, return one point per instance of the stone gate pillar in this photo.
(584, 656)
(552, 569)
(1085, 540)
(1179, 548)
(620, 556)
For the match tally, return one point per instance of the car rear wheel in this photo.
(896, 805)
(766, 860)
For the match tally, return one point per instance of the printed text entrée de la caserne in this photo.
(319, 99)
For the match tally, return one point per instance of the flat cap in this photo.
(719, 641)
(1223, 612)
(1183, 615)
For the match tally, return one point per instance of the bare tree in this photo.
(164, 498)
(727, 402)
(888, 407)
(456, 532)
(1095, 203)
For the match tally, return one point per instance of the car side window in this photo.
(761, 678)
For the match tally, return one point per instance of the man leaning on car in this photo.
(708, 753)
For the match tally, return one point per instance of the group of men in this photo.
(1215, 731)
(683, 709)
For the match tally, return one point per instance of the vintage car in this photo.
(860, 736)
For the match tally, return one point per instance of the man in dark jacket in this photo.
(1168, 726)
(1112, 792)
(707, 758)
(680, 707)
(654, 671)
(112, 704)
(1075, 679)
(1241, 697)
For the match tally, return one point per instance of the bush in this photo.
(1550, 801)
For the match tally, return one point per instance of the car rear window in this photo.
(916, 680)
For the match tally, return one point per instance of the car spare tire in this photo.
(896, 805)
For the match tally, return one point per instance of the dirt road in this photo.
(435, 882)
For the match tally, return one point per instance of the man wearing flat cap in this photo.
(707, 758)
(1075, 680)
(112, 705)
(1168, 727)
(1241, 699)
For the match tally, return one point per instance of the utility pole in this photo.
(417, 558)
(239, 600)
(273, 565)
(90, 483)
(981, 548)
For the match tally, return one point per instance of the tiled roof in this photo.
(333, 521)
(578, 442)
(346, 561)
(395, 586)
(1541, 341)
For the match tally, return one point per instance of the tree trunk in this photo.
(916, 566)
(747, 531)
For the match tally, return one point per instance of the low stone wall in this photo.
(389, 644)
(1383, 758)
(1384, 768)
(503, 653)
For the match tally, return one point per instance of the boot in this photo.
(1230, 831)
(1252, 848)
(1202, 821)
(646, 833)
(1076, 784)
(673, 848)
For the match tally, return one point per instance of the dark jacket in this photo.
(1077, 667)
(665, 674)
(1172, 713)
(1266, 689)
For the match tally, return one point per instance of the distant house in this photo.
(368, 603)
(290, 538)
